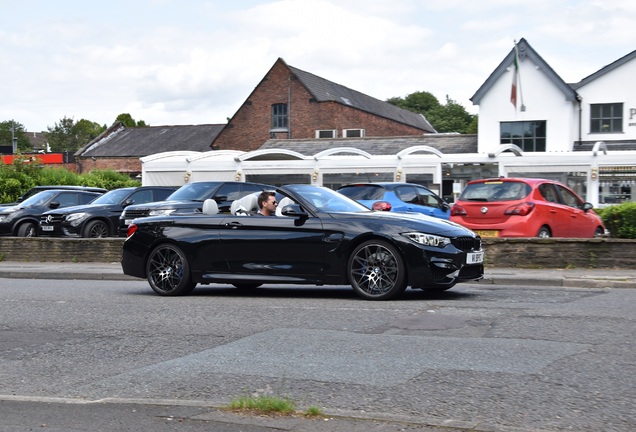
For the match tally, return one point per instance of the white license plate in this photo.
(474, 258)
(47, 228)
(128, 221)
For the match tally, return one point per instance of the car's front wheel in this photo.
(376, 270)
(27, 229)
(168, 271)
(96, 229)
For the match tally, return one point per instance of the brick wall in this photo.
(129, 165)
(521, 253)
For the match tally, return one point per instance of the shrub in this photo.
(23, 173)
(620, 220)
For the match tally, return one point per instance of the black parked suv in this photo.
(37, 189)
(22, 219)
(188, 199)
(100, 218)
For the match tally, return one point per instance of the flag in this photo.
(515, 78)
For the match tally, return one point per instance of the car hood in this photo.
(415, 221)
(80, 208)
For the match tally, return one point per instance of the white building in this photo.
(582, 134)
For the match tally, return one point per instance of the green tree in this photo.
(451, 117)
(6, 136)
(127, 120)
(68, 135)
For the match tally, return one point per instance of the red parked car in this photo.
(525, 207)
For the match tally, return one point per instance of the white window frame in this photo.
(334, 133)
(345, 133)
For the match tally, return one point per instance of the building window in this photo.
(328, 133)
(528, 135)
(279, 116)
(606, 118)
(353, 133)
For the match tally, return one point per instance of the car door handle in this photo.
(233, 225)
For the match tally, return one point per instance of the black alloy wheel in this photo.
(27, 229)
(168, 271)
(96, 229)
(376, 271)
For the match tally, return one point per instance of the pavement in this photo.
(573, 278)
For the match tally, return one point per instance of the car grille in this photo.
(467, 244)
(471, 272)
(51, 219)
(137, 213)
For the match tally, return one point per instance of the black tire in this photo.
(247, 286)
(96, 229)
(376, 271)
(599, 232)
(168, 271)
(544, 232)
(27, 229)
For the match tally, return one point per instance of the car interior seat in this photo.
(210, 207)
(283, 202)
(245, 206)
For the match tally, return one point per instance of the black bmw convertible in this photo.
(318, 237)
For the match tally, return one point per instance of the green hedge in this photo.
(22, 174)
(620, 220)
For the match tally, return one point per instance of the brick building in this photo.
(119, 147)
(289, 103)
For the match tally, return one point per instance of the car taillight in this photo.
(522, 209)
(131, 229)
(458, 210)
(381, 206)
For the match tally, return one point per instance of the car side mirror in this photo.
(54, 205)
(127, 203)
(294, 210)
(445, 206)
(587, 206)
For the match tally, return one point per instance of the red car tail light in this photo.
(521, 209)
(131, 229)
(381, 206)
(458, 210)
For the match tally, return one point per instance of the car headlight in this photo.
(427, 239)
(75, 216)
(160, 212)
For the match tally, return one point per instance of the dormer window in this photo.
(327, 133)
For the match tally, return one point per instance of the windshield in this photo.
(363, 192)
(39, 198)
(194, 191)
(112, 197)
(326, 200)
(495, 191)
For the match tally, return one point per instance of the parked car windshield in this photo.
(39, 198)
(194, 191)
(363, 192)
(112, 197)
(495, 191)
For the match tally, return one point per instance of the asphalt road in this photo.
(480, 357)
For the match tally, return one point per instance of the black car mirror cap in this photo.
(54, 205)
(294, 210)
(127, 203)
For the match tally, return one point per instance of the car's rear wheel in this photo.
(544, 232)
(376, 271)
(96, 229)
(168, 271)
(27, 229)
(599, 232)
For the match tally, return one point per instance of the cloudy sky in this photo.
(195, 61)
